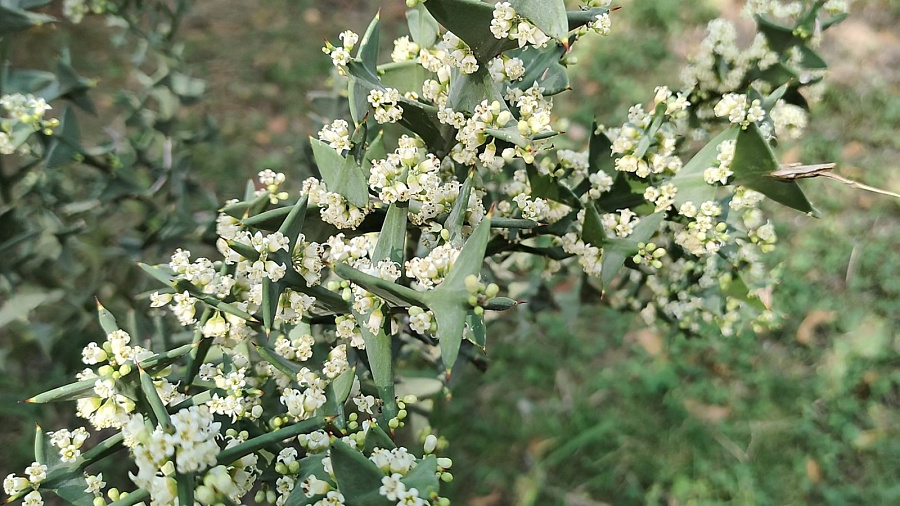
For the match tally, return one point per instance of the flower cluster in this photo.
(24, 116)
(507, 24)
(384, 102)
(340, 55)
(739, 110)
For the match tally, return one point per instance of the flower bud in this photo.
(430, 443)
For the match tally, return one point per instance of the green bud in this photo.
(402, 414)
(446, 477)
(113, 494)
(125, 369)
(260, 496)
(410, 399)
(294, 467)
(353, 417)
(98, 501)
(205, 495)
(271, 496)
(394, 423)
(280, 468)
(492, 290)
(472, 283)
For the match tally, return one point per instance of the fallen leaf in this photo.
(814, 319)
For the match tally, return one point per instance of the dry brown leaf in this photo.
(707, 412)
(813, 472)
(807, 328)
(648, 339)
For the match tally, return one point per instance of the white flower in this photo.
(36, 472)
(13, 484)
(33, 499)
(392, 488)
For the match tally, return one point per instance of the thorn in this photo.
(30, 400)
(99, 305)
(447, 374)
(565, 44)
(615, 8)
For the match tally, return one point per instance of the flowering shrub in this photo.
(290, 387)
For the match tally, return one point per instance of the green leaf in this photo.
(328, 161)
(357, 477)
(66, 141)
(40, 445)
(185, 485)
(385, 289)
(20, 306)
(368, 44)
(391, 243)
(311, 465)
(692, 187)
(270, 439)
(457, 216)
(153, 399)
(270, 220)
(519, 223)
(779, 37)
(470, 20)
(70, 392)
(351, 182)
(271, 292)
(378, 438)
(475, 330)
(615, 251)
(367, 56)
(542, 66)
(73, 492)
(132, 498)
(548, 187)
(284, 365)
(336, 394)
(107, 320)
(449, 301)
(423, 28)
(343, 384)
(404, 76)
(548, 15)
(13, 20)
(293, 224)
(592, 230)
(600, 153)
(577, 19)
(423, 477)
(754, 160)
(467, 91)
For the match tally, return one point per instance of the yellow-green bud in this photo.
(205, 495)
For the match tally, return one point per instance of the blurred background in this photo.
(582, 405)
